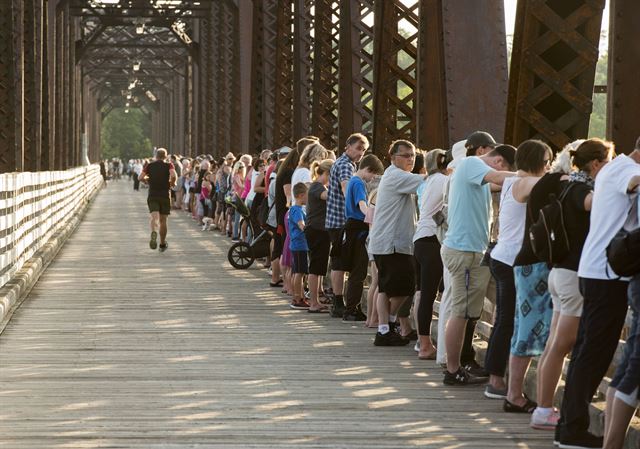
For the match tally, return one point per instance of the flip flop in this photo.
(276, 284)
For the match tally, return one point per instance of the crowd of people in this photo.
(423, 228)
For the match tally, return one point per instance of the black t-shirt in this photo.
(283, 178)
(316, 207)
(158, 172)
(576, 221)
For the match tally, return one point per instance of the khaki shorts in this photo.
(469, 281)
(564, 288)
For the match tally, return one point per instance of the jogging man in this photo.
(160, 176)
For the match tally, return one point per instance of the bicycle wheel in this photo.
(240, 255)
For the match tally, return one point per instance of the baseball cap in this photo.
(480, 139)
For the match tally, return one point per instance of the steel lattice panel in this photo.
(395, 61)
(356, 68)
(552, 70)
(326, 72)
(304, 48)
(283, 45)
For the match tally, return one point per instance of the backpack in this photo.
(548, 234)
(623, 252)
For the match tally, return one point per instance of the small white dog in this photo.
(207, 223)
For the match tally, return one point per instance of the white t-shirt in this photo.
(610, 210)
(300, 174)
(431, 201)
(254, 177)
(512, 221)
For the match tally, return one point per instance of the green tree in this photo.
(126, 135)
(598, 120)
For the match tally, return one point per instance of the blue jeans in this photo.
(627, 377)
(498, 351)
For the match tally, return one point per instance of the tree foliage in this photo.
(598, 120)
(126, 135)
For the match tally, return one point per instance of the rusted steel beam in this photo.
(624, 66)
(552, 70)
(432, 129)
(462, 71)
(233, 75)
(326, 73)
(11, 91)
(355, 112)
(244, 33)
(32, 84)
(303, 48)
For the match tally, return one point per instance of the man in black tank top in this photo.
(160, 176)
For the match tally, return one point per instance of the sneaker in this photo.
(416, 347)
(153, 243)
(389, 339)
(354, 316)
(476, 370)
(492, 392)
(337, 309)
(460, 377)
(163, 247)
(584, 441)
(235, 239)
(541, 421)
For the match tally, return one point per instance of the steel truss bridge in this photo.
(241, 75)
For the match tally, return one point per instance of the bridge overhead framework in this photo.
(240, 75)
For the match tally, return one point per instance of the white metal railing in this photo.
(34, 206)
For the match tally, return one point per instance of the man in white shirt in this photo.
(605, 298)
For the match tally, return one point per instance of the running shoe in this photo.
(541, 421)
(163, 247)
(153, 243)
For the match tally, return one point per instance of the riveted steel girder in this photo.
(624, 66)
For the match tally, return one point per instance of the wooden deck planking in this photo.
(120, 346)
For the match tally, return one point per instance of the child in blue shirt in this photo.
(356, 230)
(298, 244)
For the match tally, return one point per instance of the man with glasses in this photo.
(466, 241)
(391, 239)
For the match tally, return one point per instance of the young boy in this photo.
(356, 231)
(298, 244)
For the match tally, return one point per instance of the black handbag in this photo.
(623, 252)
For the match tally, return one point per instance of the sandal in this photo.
(276, 284)
(528, 407)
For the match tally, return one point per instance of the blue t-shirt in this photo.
(356, 192)
(469, 207)
(297, 241)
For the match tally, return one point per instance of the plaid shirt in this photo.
(342, 170)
